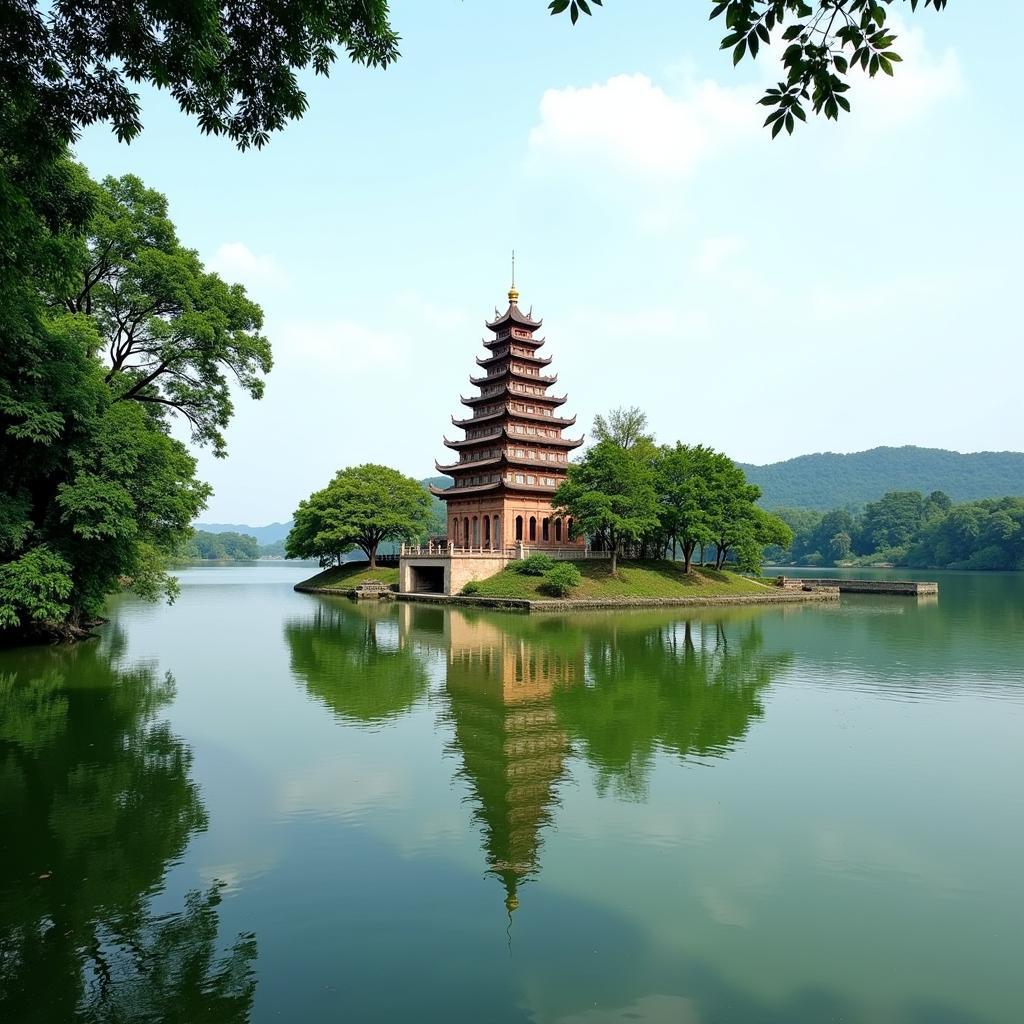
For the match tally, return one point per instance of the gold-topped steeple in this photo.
(513, 292)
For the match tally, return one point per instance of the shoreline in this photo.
(519, 604)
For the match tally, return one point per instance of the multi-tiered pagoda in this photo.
(514, 455)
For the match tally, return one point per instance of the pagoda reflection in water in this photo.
(525, 694)
(507, 733)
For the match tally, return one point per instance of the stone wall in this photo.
(573, 605)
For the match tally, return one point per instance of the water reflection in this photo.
(522, 695)
(354, 659)
(508, 735)
(689, 687)
(97, 802)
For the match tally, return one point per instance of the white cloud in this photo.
(340, 347)
(715, 253)
(921, 81)
(635, 125)
(235, 261)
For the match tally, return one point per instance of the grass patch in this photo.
(635, 579)
(350, 575)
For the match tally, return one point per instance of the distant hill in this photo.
(827, 480)
(264, 534)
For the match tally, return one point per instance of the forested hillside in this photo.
(827, 480)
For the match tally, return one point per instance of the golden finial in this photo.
(513, 293)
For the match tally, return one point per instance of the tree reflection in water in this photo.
(352, 658)
(525, 693)
(97, 802)
(688, 687)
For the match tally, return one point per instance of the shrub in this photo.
(472, 587)
(535, 565)
(561, 580)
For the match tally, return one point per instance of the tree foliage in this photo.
(230, 64)
(610, 493)
(908, 528)
(229, 546)
(825, 40)
(361, 507)
(115, 329)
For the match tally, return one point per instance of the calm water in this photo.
(257, 806)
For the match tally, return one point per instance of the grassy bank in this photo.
(647, 579)
(349, 576)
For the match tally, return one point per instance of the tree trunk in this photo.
(373, 554)
(688, 555)
(615, 558)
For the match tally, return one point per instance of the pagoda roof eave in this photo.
(513, 315)
(533, 417)
(473, 420)
(519, 396)
(547, 442)
(457, 467)
(546, 379)
(452, 493)
(507, 340)
(539, 360)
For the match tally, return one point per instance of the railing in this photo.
(445, 549)
(577, 553)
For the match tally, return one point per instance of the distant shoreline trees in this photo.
(910, 529)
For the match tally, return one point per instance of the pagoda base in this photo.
(503, 522)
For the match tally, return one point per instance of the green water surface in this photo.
(262, 806)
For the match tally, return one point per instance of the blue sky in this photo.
(855, 285)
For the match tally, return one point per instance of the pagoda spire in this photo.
(513, 293)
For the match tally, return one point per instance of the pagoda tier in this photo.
(512, 318)
(514, 373)
(502, 392)
(514, 457)
(498, 357)
(502, 434)
(508, 413)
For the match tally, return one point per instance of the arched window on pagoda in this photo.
(533, 528)
(545, 529)
(558, 529)
(465, 532)
(487, 530)
(568, 526)
(519, 527)
(496, 531)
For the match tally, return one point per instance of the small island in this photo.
(524, 528)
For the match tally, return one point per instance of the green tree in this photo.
(361, 507)
(826, 40)
(624, 427)
(96, 494)
(610, 494)
(890, 522)
(683, 474)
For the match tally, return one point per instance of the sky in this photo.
(852, 286)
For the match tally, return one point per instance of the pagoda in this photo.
(513, 455)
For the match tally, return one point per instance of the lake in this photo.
(257, 805)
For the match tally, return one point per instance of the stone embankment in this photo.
(773, 596)
(903, 588)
